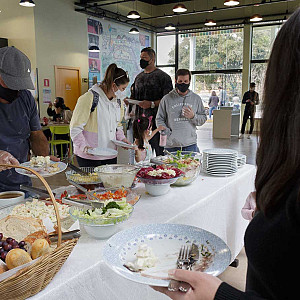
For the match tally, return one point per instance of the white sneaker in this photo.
(249, 136)
(241, 136)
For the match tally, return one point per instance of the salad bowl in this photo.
(102, 223)
(187, 161)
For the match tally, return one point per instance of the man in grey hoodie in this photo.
(180, 112)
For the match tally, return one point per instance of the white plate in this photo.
(122, 144)
(222, 170)
(220, 151)
(220, 173)
(132, 101)
(165, 240)
(103, 151)
(41, 170)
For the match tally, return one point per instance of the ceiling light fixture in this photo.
(27, 3)
(231, 2)
(94, 49)
(210, 22)
(256, 18)
(170, 26)
(179, 8)
(133, 15)
(134, 31)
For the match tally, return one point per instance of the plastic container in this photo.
(163, 139)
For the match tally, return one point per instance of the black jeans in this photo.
(248, 114)
(83, 162)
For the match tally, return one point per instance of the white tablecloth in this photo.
(212, 203)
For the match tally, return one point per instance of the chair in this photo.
(60, 129)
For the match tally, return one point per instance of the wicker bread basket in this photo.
(31, 280)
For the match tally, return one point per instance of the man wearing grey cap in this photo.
(20, 127)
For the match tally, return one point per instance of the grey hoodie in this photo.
(180, 130)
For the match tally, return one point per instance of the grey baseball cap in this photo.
(15, 69)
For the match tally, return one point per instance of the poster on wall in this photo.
(116, 46)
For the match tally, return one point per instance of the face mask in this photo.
(144, 63)
(8, 94)
(120, 94)
(182, 87)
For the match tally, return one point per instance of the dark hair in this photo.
(116, 75)
(278, 158)
(150, 52)
(252, 84)
(60, 103)
(183, 72)
(139, 126)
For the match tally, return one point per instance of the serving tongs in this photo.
(40, 192)
(69, 235)
(94, 203)
(78, 170)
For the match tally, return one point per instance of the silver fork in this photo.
(183, 258)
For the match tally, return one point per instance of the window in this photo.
(165, 50)
(230, 83)
(218, 50)
(262, 41)
(171, 72)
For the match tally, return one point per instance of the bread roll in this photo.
(19, 227)
(31, 238)
(17, 257)
(39, 248)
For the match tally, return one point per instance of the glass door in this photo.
(228, 87)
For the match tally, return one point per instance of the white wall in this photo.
(61, 39)
(17, 25)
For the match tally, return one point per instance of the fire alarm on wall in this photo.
(46, 82)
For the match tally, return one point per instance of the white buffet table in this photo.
(212, 203)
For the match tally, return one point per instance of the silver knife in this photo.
(193, 257)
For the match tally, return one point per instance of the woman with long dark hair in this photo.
(97, 119)
(272, 238)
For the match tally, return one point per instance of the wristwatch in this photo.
(152, 104)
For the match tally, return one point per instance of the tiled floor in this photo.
(233, 276)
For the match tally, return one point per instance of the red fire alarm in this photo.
(46, 82)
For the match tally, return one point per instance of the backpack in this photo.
(96, 100)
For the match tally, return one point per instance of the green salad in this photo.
(113, 212)
(183, 160)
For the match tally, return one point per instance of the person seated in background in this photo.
(213, 102)
(180, 112)
(19, 120)
(60, 111)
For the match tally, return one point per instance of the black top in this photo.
(254, 97)
(272, 247)
(150, 86)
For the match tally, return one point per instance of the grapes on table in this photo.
(9, 244)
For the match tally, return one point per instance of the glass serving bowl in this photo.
(90, 182)
(101, 221)
(191, 171)
(100, 228)
(131, 196)
(117, 176)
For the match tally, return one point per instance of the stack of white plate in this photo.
(220, 162)
(241, 160)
